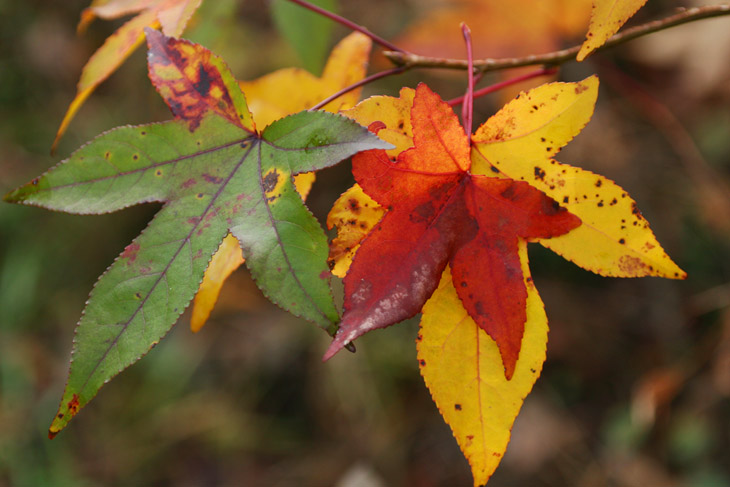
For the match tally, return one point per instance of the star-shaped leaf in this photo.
(460, 362)
(215, 174)
(440, 214)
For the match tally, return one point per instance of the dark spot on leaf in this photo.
(212, 179)
(548, 149)
(463, 284)
(270, 180)
(635, 209)
(422, 363)
(143, 133)
(158, 172)
(539, 173)
(494, 169)
(138, 295)
(135, 156)
(354, 206)
(599, 183)
(533, 370)
(457, 407)
(204, 79)
(566, 199)
(600, 204)
(199, 196)
(529, 279)
(73, 405)
(622, 241)
(613, 202)
(542, 139)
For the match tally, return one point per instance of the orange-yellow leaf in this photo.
(462, 368)
(171, 15)
(607, 17)
(500, 28)
(519, 142)
(227, 259)
(290, 90)
(354, 214)
(393, 113)
(270, 98)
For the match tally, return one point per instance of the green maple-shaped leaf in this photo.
(214, 173)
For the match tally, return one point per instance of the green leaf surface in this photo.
(214, 174)
(308, 33)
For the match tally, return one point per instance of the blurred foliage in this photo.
(636, 387)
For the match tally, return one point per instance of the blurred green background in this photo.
(635, 390)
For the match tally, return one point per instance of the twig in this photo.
(467, 109)
(400, 58)
(349, 24)
(362, 82)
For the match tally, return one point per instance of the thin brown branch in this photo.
(559, 57)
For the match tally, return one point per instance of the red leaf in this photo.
(439, 214)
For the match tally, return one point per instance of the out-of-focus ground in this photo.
(635, 390)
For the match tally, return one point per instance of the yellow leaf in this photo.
(393, 113)
(171, 15)
(227, 259)
(463, 370)
(291, 90)
(270, 98)
(519, 141)
(354, 214)
(607, 17)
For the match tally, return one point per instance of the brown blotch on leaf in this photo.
(539, 173)
(354, 206)
(631, 265)
(270, 180)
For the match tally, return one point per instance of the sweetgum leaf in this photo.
(440, 214)
(215, 175)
